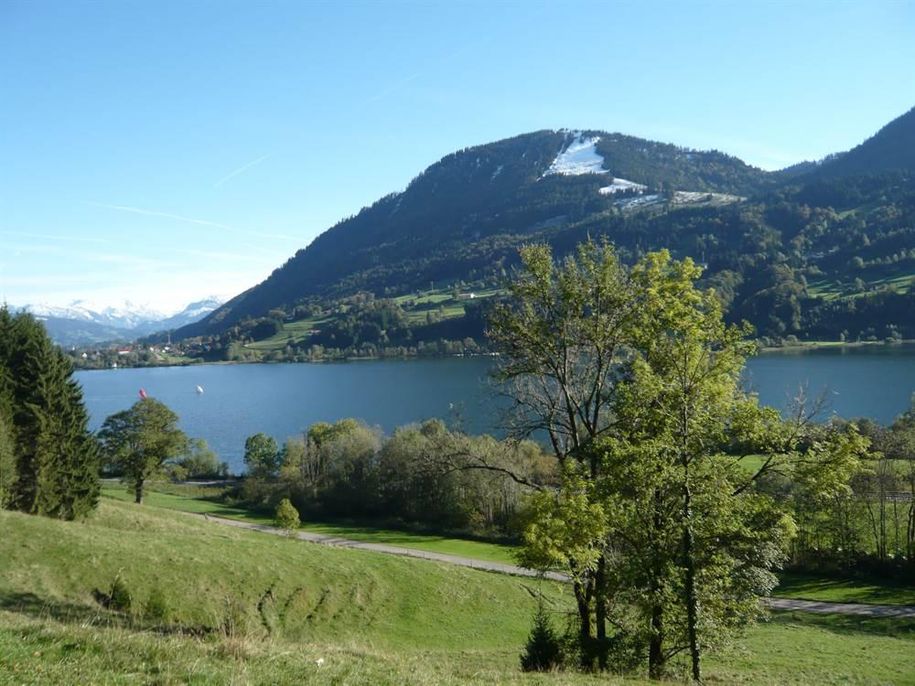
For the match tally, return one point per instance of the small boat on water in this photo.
(199, 390)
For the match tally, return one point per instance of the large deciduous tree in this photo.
(140, 440)
(635, 378)
(562, 337)
(711, 545)
(262, 456)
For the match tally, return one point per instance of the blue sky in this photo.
(162, 151)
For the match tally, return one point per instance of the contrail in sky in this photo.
(392, 88)
(155, 213)
(48, 237)
(241, 170)
(190, 220)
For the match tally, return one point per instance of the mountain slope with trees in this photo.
(815, 251)
(892, 148)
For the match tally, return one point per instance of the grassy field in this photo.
(202, 500)
(246, 608)
(479, 550)
(211, 575)
(899, 279)
(416, 307)
(298, 331)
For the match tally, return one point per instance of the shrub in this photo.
(234, 622)
(286, 516)
(119, 597)
(157, 607)
(543, 651)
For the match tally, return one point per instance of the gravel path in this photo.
(858, 609)
(789, 604)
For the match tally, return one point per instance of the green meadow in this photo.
(213, 605)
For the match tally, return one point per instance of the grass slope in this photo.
(186, 498)
(210, 573)
(416, 306)
(478, 550)
(373, 619)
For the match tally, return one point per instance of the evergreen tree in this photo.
(543, 651)
(54, 457)
(7, 461)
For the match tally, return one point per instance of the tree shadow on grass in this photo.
(68, 612)
(846, 589)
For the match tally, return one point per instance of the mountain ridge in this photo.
(83, 322)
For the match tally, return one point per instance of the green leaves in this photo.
(824, 470)
(141, 439)
(565, 529)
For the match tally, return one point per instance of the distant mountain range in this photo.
(83, 323)
(816, 250)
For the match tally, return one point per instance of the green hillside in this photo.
(331, 594)
(370, 618)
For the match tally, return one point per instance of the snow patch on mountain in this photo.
(580, 156)
(637, 202)
(620, 185)
(679, 198)
(190, 314)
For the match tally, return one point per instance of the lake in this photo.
(284, 399)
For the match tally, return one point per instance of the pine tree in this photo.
(7, 461)
(55, 456)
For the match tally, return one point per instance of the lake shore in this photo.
(800, 346)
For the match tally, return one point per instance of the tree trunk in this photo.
(657, 662)
(600, 611)
(689, 564)
(138, 492)
(583, 600)
(910, 532)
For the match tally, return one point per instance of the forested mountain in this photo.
(816, 250)
(892, 148)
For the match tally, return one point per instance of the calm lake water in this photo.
(284, 399)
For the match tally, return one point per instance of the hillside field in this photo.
(216, 605)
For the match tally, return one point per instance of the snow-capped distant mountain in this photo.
(126, 315)
(190, 314)
(83, 322)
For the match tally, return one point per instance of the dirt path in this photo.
(788, 604)
(324, 539)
